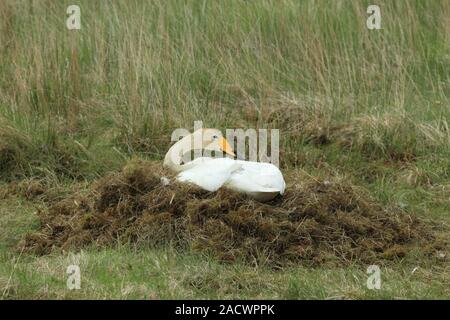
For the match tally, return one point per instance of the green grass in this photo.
(370, 105)
(124, 272)
(150, 274)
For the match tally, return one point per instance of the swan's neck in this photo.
(174, 158)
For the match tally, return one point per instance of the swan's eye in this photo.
(215, 137)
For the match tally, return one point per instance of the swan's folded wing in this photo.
(209, 174)
(257, 177)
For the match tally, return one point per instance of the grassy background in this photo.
(370, 105)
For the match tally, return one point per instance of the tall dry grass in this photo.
(137, 70)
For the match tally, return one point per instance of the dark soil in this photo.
(314, 222)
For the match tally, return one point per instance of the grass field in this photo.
(370, 106)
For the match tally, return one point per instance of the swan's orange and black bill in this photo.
(225, 146)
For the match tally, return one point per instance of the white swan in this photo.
(259, 180)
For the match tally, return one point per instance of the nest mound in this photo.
(314, 222)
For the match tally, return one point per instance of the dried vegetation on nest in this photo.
(314, 222)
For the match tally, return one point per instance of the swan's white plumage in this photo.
(262, 181)
(208, 173)
(259, 180)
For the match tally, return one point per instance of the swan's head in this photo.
(213, 140)
(206, 139)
